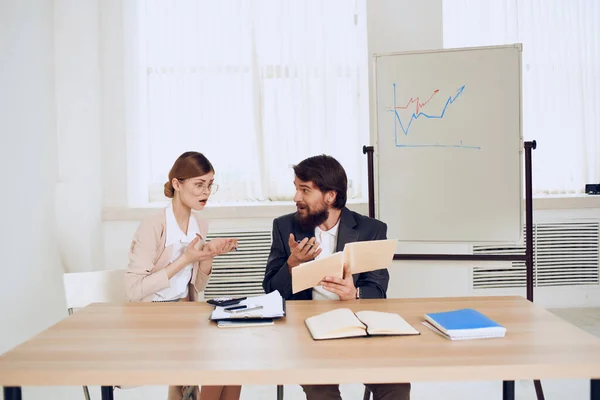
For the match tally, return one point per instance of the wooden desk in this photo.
(175, 344)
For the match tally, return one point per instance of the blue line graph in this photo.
(419, 114)
(414, 116)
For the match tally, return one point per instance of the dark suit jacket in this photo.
(353, 228)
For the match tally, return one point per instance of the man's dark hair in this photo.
(327, 174)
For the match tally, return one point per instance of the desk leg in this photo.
(508, 390)
(12, 393)
(595, 389)
(280, 392)
(107, 393)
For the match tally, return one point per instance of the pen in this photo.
(309, 244)
(244, 308)
(236, 308)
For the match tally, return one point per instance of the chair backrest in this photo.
(83, 288)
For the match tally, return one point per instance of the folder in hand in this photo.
(359, 256)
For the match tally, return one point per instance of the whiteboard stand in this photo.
(508, 387)
(529, 146)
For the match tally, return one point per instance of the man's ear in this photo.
(330, 197)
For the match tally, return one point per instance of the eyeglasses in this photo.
(202, 187)
(211, 188)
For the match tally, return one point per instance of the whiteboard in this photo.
(448, 144)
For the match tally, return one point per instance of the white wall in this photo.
(31, 295)
(78, 109)
(31, 292)
(394, 26)
(113, 141)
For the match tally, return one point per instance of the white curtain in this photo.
(255, 85)
(561, 78)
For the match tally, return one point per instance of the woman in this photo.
(169, 259)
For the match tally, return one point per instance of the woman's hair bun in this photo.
(169, 191)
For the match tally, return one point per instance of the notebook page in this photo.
(337, 323)
(385, 323)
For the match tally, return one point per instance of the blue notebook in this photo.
(464, 324)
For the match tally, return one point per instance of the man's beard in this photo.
(312, 219)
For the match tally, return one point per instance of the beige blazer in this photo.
(148, 258)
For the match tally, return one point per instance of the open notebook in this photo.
(343, 323)
(360, 256)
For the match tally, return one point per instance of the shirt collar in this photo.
(174, 234)
(333, 231)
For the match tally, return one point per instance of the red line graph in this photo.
(417, 100)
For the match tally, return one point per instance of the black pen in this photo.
(244, 308)
(308, 243)
(236, 308)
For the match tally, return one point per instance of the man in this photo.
(321, 226)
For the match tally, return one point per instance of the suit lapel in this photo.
(300, 234)
(346, 231)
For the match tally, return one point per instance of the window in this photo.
(561, 78)
(254, 85)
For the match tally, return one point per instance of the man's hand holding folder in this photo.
(343, 287)
(358, 257)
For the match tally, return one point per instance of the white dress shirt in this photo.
(328, 242)
(179, 242)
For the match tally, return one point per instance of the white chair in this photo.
(84, 288)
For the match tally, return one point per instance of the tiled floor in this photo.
(587, 319)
